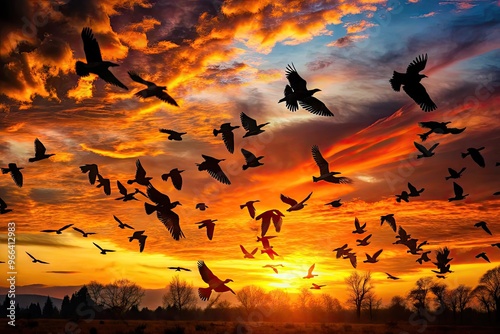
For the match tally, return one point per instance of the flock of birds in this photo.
(296, 93)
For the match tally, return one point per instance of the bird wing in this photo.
(254, 251)
(315, 106)
(305, 199)
(478, 158)
(121, 188)
(309, 272)
(171, 221)
(455, 131)
(277, 221)
(412, 188)
(418, 93)
(90, 46)
(206, 274)
(247, 122)
(140, 172)
(39, 147)
(2, 204)
(266, 221)
(97, 246)
(451, 171)
(228, 138)
(251, 210)
(430, 124)
(142, 243)
(17, 176)
(77, 229)
(167, 131)
(134, 76)
(486, 229)
(217, 173)
(354, 260)
(288, 200)
(298, 84)
(320, 161)
(457, 189)
(249, 156)
(43, 262)
(417, 65)
(210, 230)
(356, 223)
(48, 231)
(433, 147)
(31, 256)
(420, 147)
(291, 104)
(377, 253)
(109, 77)
(176, 180)
(315, 285)
(244, 250)
(65, 227)
(165, 97)
(156, 196)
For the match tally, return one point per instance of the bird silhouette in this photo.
(15, 173)
(309, 272)
(59, 231)
(273, 267)
(211, 165)
(402, 236)
(364, 242)
(139, 236)
(335, 204)
(179, 268)
(316, 286)
(496, 245)
(251, 160)
(248, 255)
(36, 260)
(438, 128)
(209, 224)
(411, 83)
(372, 259)
(270, 252)
(426, 153)
(459, 193)
(424, 257)
(413, 190)
(442, 261)
(454, 174)
(475, 155)
(175, 176)
(341, 251)
(173, 135)
(250, 206)
(95, 64)
(105, 183)
(122, 225)
(84, 234)
(265, 241)
(93, 171)
(214, 283)
(413, 248)
(103, 251)
(389, 276)
(325, 174)
(126, 195)
(3, 207)
(390, 220)
(297, 92)
(164, 211)
(294, 205)
(152, 90)
(483, 255)
(201, 206)
(483, 225)
(250, 125)
(275, 215)
(360, 229)
(40, 152)
(140, 175)
(227, 135)
(403, 197)
(352, 258)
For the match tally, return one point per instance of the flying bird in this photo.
(40, 152)
(341, 251)
(360, 229)
(402, 236)
(92, 170)
(103, 251)
(275, 215)
(389, 276)
(265, 241)
(209, 224)
(484, 226)
(294, 205)
(247, 254)
(483, 255)
(413, 190)
(227, 135)
(475, 155)
(352, 258)
(84, 234)
(316, 286)
(442, 261)
(459, 193)
(372, 259)
(214, 283)
(496, 245)
(325, 174)
(59, 231)
(404, 196)
(249, 205)
(201, 206)
(105, 183)
(363, 242)
(15, 173)
(175, 176)
(335, 204)
(390, 220)
(122, 225)
(95, 64)
(438, 128)
(36, 260)
(251, 160)
(152, 90)
(250, 125)
(411, 83)
(273, 267)
(424, 257)
(211, 165)
(297, 92)
(126, 195)
(454, 174)
(173, 135)
(426, 153)
(179, 268)
(309, 272)
(3, 207)
(139, 236)
(140, 175)
(270, 252)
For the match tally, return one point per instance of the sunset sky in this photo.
(221, 58)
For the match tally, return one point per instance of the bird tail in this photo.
(81, 69)
(31, 159)
(216, 132)
(241, 207)
(5, 170)
(396, 80)
(447, 177)
(423, 136)
(464, 155)
(315, 179)
(149, 208)
(245, 167)
(204, 293)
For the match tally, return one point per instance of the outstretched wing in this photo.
(315, 106)
(288, 200)
(244, 250)
(171, 221)
(228, 138)
(309, 272)
(134, 76)
(249, 156)
(121, 188)
(39, 148)
(109, 77)
(156, 196)
(420, 147)
(291, 102)
(298, 84)
(217, 173)
(457, 189)
(412, 188)
(418, 93)
(377, 253)
(90, 46)
(140, 173)
(247, 122)
(167, 98)
(417, 65)
(206, 274)
(320, 161)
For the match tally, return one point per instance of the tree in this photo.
(371, 303)
(491, 281)
(358, 286)
(180, 295)
(66, 311)
(34, 311)
(5, 306)
(418, 295)
(118, 296)
(440, 291)
(463, 295)
(48, 308)
(251, 298)
(482, 295)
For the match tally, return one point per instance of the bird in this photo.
(214, 283)
(103, 251)
(105, 183)
(297, 92)
(209, 224)
(459, 193)
(273, 267)
(122, 225)
(270, 252)
(360, 229)
(423, 257)
(36, 260)
(211, 165)
(483, 255)
(173, 135)
(84, 234)
(175, 176)
(3, 207)
(201, 206)
(40, 152)
(249, 205)
(316, 286)
(352, 258)
(275, 215)
(247, 254)
(426, 153)
(413, 190)
(484, 226)
(496, 193)
(250, 125)
(179, 268)
(164, 211)
(93, 171)
(309, 272)
(438, 128)
(411, 83)
(152, 90)
(402, 236)
(341, 251)
(95, 64)
(389, 276)
(140, 175)
(251, 160)
(126, 195)
(326, 175)
(496, 245)
(363, 242)
(390, 220)
(139, 235)
(372, 259)
(59, 231)
(475, 155)
(335, 204)
(227, 135)
(454, 174)
(265, 241)
(403, 197)
(442, 261)
(15, 173)
(294, 205)
(413, 248)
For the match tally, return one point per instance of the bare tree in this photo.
(419, 295)
(491, 281)
(440, 291)
(118, 296)
(358, 286)
(464, 295)
(371, 303)
(180, 295)
(304, 298)
(251, 298)
(482, 295)
(330, 304)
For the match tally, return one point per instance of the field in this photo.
(42, 326)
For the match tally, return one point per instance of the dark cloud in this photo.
(318, 64)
